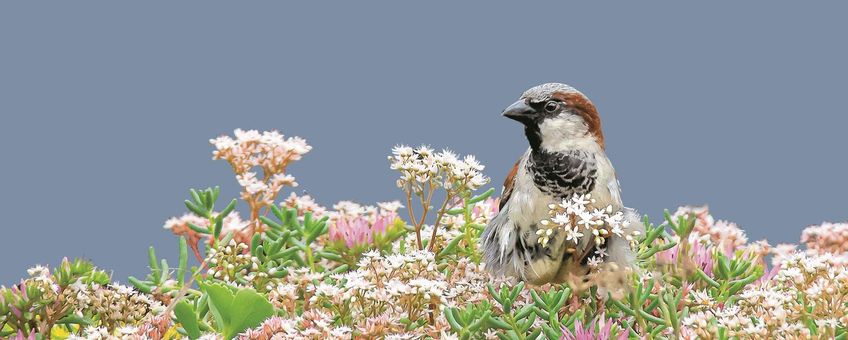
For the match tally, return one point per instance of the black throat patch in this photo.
(563, 174)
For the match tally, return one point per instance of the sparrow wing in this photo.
(508, 185)
(614, 187)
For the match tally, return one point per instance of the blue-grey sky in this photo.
(107, 107)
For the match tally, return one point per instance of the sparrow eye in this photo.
(552, 106)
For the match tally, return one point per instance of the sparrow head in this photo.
(556, 116)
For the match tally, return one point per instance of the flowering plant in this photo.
(295, 269)
(355, 229)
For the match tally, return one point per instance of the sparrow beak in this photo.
(520, 111)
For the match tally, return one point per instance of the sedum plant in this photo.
(423, 172)
(295, 269)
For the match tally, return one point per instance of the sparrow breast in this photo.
(563, 174)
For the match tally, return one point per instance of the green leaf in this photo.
(550, 332)
(197, 228)
(271, 223)
(196, 210)
(450, 247)
(622, 307)
(230, 207)
(215, 192)
(165, 272)
(707, 278)
(207, 199)
(151, 258)
(236, 313)
(277, 212)
(195, 196)
(524, 312)
(330, 256)
(220, 303)
(455, 211)
(340, 269)
(75, 319)
(498, 323)
(475, 326)
(482, 196)
(219, 224)
(183, 260)
(141, 286)
(227, 238)
(255, 241)
(723, 267)
(452, 319)
(651, 318)
(186, 316)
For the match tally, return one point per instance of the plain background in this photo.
(107, 107)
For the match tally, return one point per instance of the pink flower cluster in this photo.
(304, 204)
(827, 238)
(599, 329)
(355, 225)
(699, 253)
(725, 235)
(360, 230)
(481, 213)
(269, 150)
(251, 151)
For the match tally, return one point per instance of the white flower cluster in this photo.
(351, 210)
(42, 279)
(102, 333)
(232, 259)
(576, 218)
(422, 169)
(410, 281)
(318, 325)
(115, 304)
(827, 237)
(443, 236)
(304, 204)
(269, 151)
(773, 310)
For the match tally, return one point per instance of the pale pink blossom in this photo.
(598, 329)
(827, 237)
(356, 231)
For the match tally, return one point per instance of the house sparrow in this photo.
(566, 157)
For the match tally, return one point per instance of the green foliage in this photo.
(339, 251)
(514, 324)
(470, 321)
(160, 273)
(39, 303)
(240, 274)
(289, 240)
(655, 240)
(467, 245)
(236, 310)
(202, 204)
(186, 316)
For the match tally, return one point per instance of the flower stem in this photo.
(438, 221)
